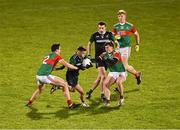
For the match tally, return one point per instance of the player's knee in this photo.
(105, 84)
(82, 93)
(102, 77)
(41, 88)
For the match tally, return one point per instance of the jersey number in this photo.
(45, 59)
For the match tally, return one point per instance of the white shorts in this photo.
(44, 79)
(116, 75)
(125, 52)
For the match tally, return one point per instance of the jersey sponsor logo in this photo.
(107, 36)
(102, 41)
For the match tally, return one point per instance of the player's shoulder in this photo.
(117, 53)
(52, 54)
(108, 32)
(74, 56)
(117, 24)
(95, 33)
(128, 23)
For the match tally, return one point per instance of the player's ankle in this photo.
(91, 90)
(121, 97)
(69, 102)
(30, 102)
(137, 74)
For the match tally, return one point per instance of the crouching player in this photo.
(44, 76)
(117, 73)
(72, 75)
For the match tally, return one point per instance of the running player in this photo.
(99, 38)
(122, 31)
(44, 76)
(117, 73)
(72, 75)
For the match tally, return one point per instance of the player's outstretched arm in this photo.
(66, 64)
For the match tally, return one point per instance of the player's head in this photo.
(55, 48)
(81, 51)
(101, 27)
(109, 47)
(122, 16)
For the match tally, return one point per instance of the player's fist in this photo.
(137, 48)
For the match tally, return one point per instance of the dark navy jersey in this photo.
(100, 40)
(77, 61)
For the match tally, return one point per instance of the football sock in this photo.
(121, 97)
(69, 102)
(90, 91)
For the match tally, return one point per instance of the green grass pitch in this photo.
(29, 27)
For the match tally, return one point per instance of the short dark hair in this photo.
(102, 23)
(81, 48)
(55, 46)
(109, 44)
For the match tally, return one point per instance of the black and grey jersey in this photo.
(99, 40)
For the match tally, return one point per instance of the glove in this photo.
(117, 37)
(137, 47)
(89, 66)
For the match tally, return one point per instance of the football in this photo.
(86, 62)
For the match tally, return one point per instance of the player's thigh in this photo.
(57, 81)
(121, 78)
(102, 71)
(125, 61)
(79, 89)
(109, 81)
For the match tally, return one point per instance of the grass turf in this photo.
(27, 30)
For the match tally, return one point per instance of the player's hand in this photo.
(137, 47)
(89, 66)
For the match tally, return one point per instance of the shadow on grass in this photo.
(33, 114)
(115, 95)
(96, 107)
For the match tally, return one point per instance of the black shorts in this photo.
(101, 64)
(72, 79)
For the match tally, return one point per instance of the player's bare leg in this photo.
(119, 82)
(60, 82)
(131, 70)
(36, 94)
(106, 86)
(81, 92)
(99, 80)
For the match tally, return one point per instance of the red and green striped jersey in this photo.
(48, 64)
(117, 67)
(124, 31)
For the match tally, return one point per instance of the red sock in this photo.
(69, 102)
(29, 102)
(137, 74)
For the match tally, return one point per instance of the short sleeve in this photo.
(133, 29)
(117, 56)
(112, 37)
(58, 58)
(92, 39)
(72, 60)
